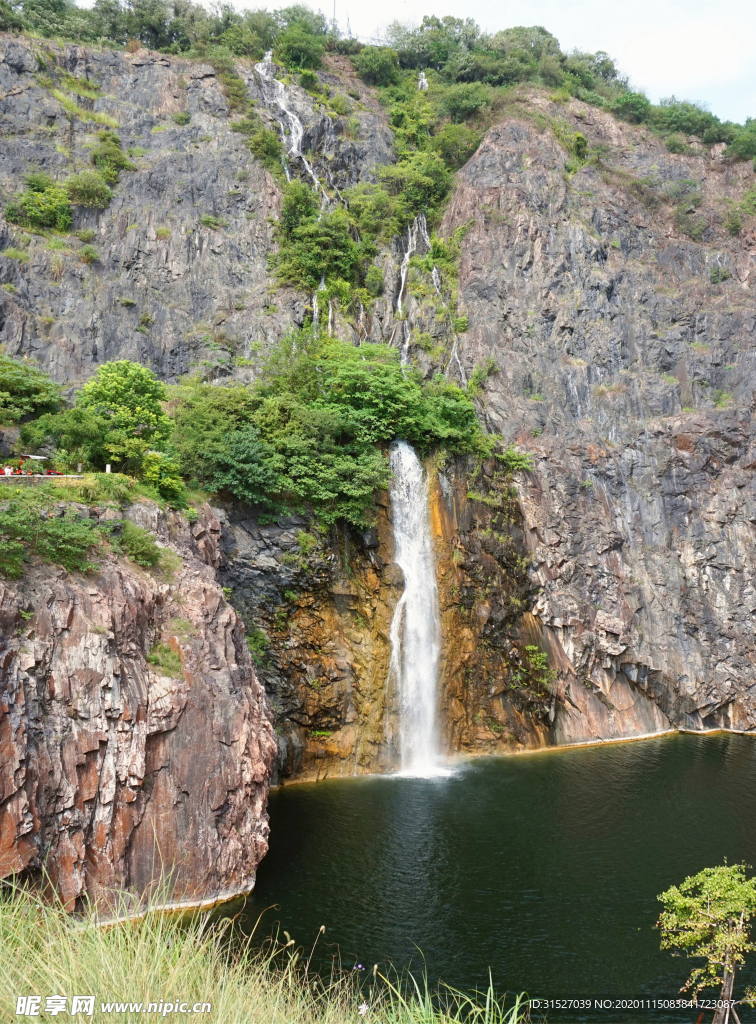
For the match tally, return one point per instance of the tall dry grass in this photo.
(163, 959)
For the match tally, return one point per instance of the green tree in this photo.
(708, 916)
(75, 435)
(298, 48)
(24, 390)
(204, 417)
(128, 396)
(378, 65)
(421, 181)
(9, 20)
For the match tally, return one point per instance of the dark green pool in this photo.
(543, 867)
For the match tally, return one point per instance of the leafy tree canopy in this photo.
(25, 390)
(708, 916)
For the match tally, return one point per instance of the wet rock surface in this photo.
(115, 767)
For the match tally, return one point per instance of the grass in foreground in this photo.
(45, 951)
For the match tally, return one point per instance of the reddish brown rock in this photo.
(113, 769)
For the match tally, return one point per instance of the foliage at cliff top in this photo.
(24, 390)
(117, 418)
(465, 64)
(31, 526)
(311, 433)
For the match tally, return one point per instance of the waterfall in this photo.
(422, 82)
(415, 628)
(418, 229)
(404, 353)
(274, 94)
(315, 306)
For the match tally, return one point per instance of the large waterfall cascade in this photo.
(415, 628)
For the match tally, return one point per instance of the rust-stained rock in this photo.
(114, 769)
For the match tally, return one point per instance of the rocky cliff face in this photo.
(616, 316)
(117, 763)
(168, 290)
(630, 377)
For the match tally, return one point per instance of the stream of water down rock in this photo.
(415, 628)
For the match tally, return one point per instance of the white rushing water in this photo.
(415, 628)
(274, 95)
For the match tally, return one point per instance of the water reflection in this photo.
(544, 868)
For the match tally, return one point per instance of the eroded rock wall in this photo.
(630, 378)
(171, 289)
(115, 769)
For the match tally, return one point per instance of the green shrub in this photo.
(463, 100)
(182, 118)
(340, 105)
(231, 82)
(88, 254)
(677, 143)
(297, 48)
(16, 254)
(166, 659)
(30, 526)
(421, 181)
(109, 158)
(108, 487)
(377, 65)
(310, 81)
(455, 143)
(86, 235)
(207, 220)
(89, 189)
(317, 247)
(163, 473)
(266, 146)
(25, 390)
(719, 274)
(139, 545)
(743, 146)
(514, 460)
(691, 224)
(631, 106)
(374, 281)
(375, 211)
(43, 204)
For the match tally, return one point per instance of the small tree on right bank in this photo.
(709, 916)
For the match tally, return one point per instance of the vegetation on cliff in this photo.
(466, 69)
(173, 961)
(311, 432)
(47, 524)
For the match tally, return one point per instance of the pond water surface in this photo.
(543, 867)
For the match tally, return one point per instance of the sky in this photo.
(702, 50)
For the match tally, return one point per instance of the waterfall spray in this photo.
(415, 628)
